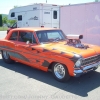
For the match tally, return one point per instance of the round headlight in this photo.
(78, 63)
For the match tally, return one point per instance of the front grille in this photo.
(91, 60)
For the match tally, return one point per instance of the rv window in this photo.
(19, 17)
(12, 14)
(55, 14)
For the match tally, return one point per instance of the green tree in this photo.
(11, 22)
(15, 6)
(5, 20)
(8, 22)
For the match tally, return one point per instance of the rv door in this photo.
(46, 13)
(19, 21)
(55, 17)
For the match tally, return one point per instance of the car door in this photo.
(9, 44)
(25, 47)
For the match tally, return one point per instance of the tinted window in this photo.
(50, 36)
(14, 36)
(26, 36)
(12, 14)
(19, 17)
(55, 14)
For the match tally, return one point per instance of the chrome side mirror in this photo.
(27, 42)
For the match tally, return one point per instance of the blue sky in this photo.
(5, 6)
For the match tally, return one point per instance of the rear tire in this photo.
(6, 57)
(60, 72)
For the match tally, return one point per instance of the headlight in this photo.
(78, 63)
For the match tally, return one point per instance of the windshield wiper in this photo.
(57, 40)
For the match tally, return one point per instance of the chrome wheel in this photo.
(59, 71)
(5, 54)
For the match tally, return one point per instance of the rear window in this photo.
(14, 36)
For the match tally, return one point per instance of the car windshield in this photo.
(50, 36)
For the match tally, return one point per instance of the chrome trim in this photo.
(81, 59)
(91, 57)
(78, 71)
(86, 69)
(91, 66)
(73, 36)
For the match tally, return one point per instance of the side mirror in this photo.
(27, 42)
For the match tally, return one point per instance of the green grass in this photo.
(3, 28)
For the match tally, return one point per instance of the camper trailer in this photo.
(36, 15)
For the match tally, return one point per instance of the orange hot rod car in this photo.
(50, 49)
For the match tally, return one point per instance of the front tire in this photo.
(6, 57)
(60, 72)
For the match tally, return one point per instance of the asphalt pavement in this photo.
(21, 82)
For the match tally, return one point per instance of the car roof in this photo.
(34, 29)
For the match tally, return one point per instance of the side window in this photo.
(12, 14)
(42, 36)
(19, 17)
(14, 36)
(25, 36)
(55, 14)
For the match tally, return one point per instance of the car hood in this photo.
(63, 47)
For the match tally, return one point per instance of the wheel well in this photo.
(50, 66)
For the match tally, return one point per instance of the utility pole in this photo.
(46, 1)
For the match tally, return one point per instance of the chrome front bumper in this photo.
(86, 69)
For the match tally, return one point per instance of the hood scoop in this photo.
(74, 40)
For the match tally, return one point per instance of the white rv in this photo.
(36, 15)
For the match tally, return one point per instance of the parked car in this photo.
(49, 49)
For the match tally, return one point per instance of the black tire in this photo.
(6, 59)
(57, 72)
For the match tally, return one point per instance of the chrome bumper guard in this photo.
(86, 69)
